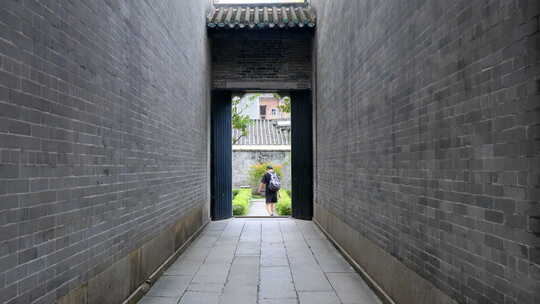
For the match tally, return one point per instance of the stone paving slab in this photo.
(350, 288)
(248, 248)
(212, 273)
(279, 301)
(276, 283)
(318, 297)
(169, 286)
(260, 261)
(199, 298)
(257, 208)
(158, 300)
(206, 287)
(195, 254)
(183, 267)
(274, 261)
(309, 277)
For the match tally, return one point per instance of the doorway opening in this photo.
(261, 154)
(256, 136)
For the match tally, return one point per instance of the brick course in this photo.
(261, 59)
(103, 135)
(427, 137)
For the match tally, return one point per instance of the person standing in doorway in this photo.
(272, 183)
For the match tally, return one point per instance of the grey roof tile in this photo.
(261, 17)
(264, 132)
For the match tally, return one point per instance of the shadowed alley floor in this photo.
(262, 261)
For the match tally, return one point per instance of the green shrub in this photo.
(235, 192)
(257, 171)
(284, 205)
(241, 202)
(239, 210)
(289, 192)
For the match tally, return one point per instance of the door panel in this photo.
(221, 148)
(302, 155)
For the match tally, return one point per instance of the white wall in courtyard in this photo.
(243, 160)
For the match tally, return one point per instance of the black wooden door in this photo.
(302, 155)
(221, 159)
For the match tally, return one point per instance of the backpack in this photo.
(274, 184)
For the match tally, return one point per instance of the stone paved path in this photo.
(257, 208)
(260, 261)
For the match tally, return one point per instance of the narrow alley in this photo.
(410, 129)
(263, 261)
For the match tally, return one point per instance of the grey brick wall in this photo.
(428, 138)
(261, 59)
(103, 135)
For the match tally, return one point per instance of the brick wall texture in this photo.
(428, 137)
(261, 59)
(103, 134)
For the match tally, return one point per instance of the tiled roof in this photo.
(264, 132)
(261, 17)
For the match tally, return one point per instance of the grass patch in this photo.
(241, 201)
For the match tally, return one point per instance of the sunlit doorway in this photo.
(261, 154)
(254, 132)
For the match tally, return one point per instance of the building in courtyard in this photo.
(263, 106)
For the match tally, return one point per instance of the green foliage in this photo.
(241, 201)
(240, 121)
(257, 171)
(284, 205)
(239, 210)
(285, 107)
(235, 192)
